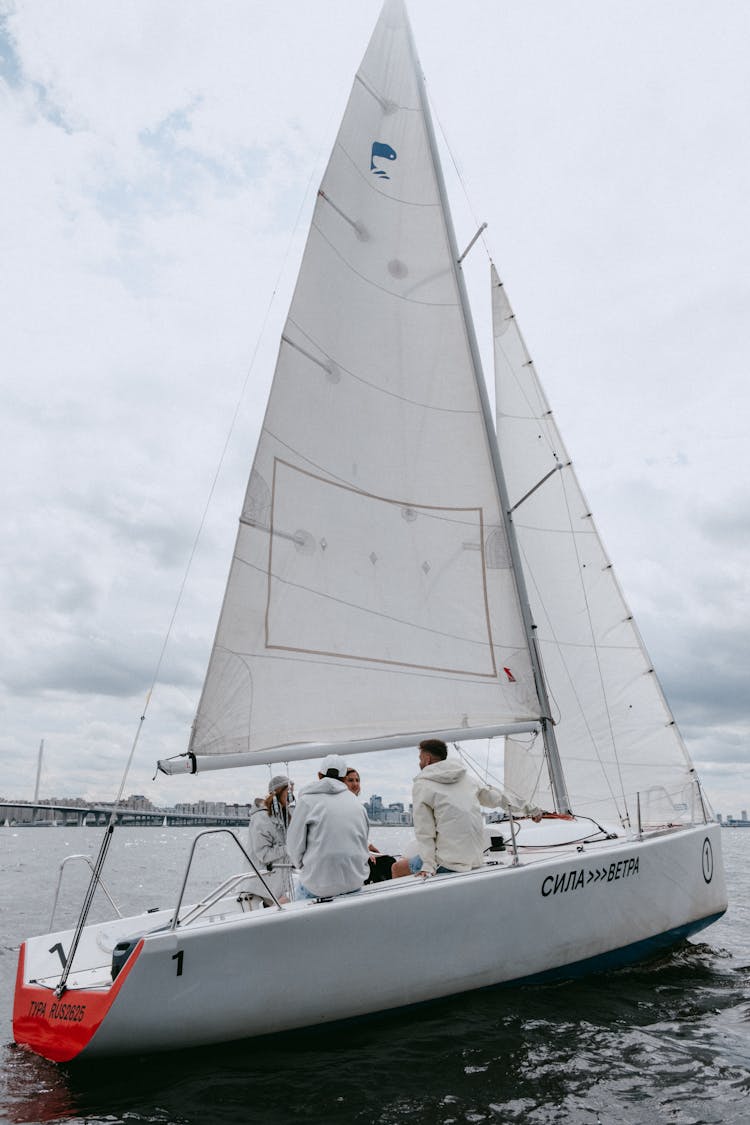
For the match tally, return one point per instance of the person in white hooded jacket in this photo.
(327, 836)
(448, 824)
(267, 831)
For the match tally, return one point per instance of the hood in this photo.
(325, 785)
(445, 773)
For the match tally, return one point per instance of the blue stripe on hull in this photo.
(626, 955)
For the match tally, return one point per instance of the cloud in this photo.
(161, 157)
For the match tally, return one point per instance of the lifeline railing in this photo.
(94, 876)
(223, 888)
(677, 807)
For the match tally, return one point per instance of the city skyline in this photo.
(378, 811)
(375, 805)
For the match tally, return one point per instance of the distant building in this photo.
(138, 802)
(213, 808)
(394, 814)
(736, 821)
(374, 808)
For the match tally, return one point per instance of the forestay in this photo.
(615, 732)
(370, 592)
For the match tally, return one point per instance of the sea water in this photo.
(666, 1042)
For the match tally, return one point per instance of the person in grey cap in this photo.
(267, 836)
(327, 837)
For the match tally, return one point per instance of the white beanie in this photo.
(278, 782)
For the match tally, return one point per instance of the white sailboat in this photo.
(406, 566)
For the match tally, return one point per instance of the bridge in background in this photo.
(27, 814)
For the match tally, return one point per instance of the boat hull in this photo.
(406, 943)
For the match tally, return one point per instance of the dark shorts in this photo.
(380, 868)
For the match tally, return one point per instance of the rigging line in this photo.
(517, 798)
(592, 530)
(459, 176)
(225, 447)
(219, 466)
(548, 418)
(104, 848)
(559, 646)
(473, 764)
(527, 748)
(594, 644)
(557, 449)
(571, 684)
(537, 779)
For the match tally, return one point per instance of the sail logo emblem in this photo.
(382, 152)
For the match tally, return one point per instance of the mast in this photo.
(557, 777)
(38, 771)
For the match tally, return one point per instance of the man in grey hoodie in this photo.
(327, 836)
(448, 824)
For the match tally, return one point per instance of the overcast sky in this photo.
(159, 163)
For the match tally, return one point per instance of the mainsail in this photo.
(371, 591)
(617, 738)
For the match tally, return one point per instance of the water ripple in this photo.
(664, 1043)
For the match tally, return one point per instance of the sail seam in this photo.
(385, 104)
(430, 511)
(366, 382)
(339, 660)
(381, 288)
(587, 644)
(571, 531)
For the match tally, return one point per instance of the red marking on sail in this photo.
(59, 1029)
(509, 674)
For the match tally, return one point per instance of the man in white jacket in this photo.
(327, 836)
(448, 824)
